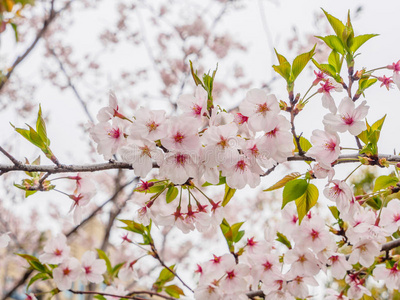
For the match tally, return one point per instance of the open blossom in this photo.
(4, 240)
(278, 138)
(313, 234)
(148, 124)
(182, 135)
(221, 144)
(322, 171)
(396, 73)
(325, 147)
(241, 172)
(194, 106)
(259, 107)
(348, 118)
(303, 261)
(56, 250)
(326, 88)
(339, 265)
(178, 167)
(390, 276)
(341, 193)
(66, 273)
(93, 268)
(364, 252)
(298, 285)
(141, 153)
(79, 200)
(109, 137)
(390, 216)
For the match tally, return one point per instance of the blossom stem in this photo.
(376, 69)
(309, 89)
(352, 172)
(306, 101)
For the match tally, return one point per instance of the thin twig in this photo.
(71, 85)
(52, 15)
(10, 157)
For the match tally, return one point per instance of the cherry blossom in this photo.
(364, 252)
(195, 106)
(109, 137)
(259, 107)
(339, 265)
(303, 261)
(242, 172)
(325, 147)
(141, 153)
(341, 193)
(390, 216)
(390, 276)
(396, 73)
(107, 113)
(56, 250)
(66, 273)
(92, 268)
(348, 118)
(178, 167)
(386, 81)
(182, 135)
(327, 99)
(148, 124)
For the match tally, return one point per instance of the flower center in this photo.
(151, 126)
(88, 269)
(178, 137)
(262, 108)
(272, 132)
(314, 234)
(114, 133)
(66, 271)
(241, 165)
(197, 110)
(230, 274)
(180, 159)
(348, 120)
(58, 252)
(145, 151)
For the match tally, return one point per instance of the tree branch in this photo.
(52, 15)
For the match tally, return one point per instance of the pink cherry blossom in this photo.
(80, 200)
(386, 81)
(396, 73)
(326, 88)
(259, 107)
(221, 144)
(321, 171)
(107, 113)
(298, 285)
(182, 135)
(56, 250)
(390, 216)
(194, 106)
(234, 280)
(313, 234)
(141, 153)
(341, 193)
(339, 265)
(92, 268)
(109, 137)
(66, 273)
(303, 261)
(242, 172)
(148, 124)
(356, 290)
(178, 167)
(364, 252)
(278, 137)
(348, 118)
(325, 147)
(390, 276)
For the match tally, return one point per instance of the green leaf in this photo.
(172, 193)
(283, 181)
(165, 276)
(222, 180)
(41, 128)
(375, 202)
(293, 190)
(335, 61)
(333, 42)
(335, 212)
(307, 201)
(133, 226)
(229, 192)
(103, 255)
(14, 27)
(358, 41)
(174, 291)
(42, 276)
(236, 233)
(336, 24)
(304, 144)
(284, 70)
(196, 78)
(325, 68)
(378, 124)
(301, 61)
(384, 181)
(116, 268)
(281, 58)
(281, 238)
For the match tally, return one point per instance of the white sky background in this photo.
(64, 112)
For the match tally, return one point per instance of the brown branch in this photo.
(114, 165)
(52, 16)
(10, 157)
